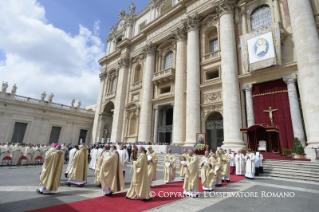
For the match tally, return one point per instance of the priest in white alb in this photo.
(250, 165)
(123, 157)
(231, 164)
(240, 163)
(93, 157)
(169, 167)
(182, 159)
(70, 163)
(98, 167)
(111, 174)
(192, 175)
(16, 155)
(152, 164)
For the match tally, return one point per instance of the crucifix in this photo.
(270, 111)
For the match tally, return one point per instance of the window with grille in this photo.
(19, 132)
(213, 45)
(260, 17)
(113, 85)
(169, 59)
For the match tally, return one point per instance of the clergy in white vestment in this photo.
(260, 162)
(183, 159)
(169, 167)
(28, 153)
(93, 157)
(16, 155)
(64, 148)
(192, 175)
(250, 165)
(111, 175)
(152, 164)
(98, 167)
(232, 164)
(224, 164)
(3, 153)
(36, 153)
(70, 164)
(123, 157)
(240, 163)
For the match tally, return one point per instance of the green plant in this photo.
(287, 152)
(200, 147)
(243, 150)
(298, 148)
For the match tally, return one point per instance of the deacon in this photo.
(140, 186)
(98, 167)
(182, 170)
(152, 164)
(240, 163)
(169, 167)
(225, 165)
(124, 157)
(111, 174)
(250, 165)
(70, 164)
(78, 173)
(192, 175)
(51, 172)
(232, 164)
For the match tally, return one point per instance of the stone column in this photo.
(231, 100)
(192, 24)
(155, 125)
(277, 11)
(146, 107)
(249, 104)
(243, 21)
(306, 42)
(294, 108)
(179, 119)
(119, 106)
(98, 107)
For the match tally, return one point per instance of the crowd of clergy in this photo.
(110, 164)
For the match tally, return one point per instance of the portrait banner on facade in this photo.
(261, 48)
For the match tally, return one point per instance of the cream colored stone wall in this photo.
(211, 70)
(40, 117)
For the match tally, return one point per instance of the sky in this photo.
(55, 45)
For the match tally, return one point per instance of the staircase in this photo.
(297, 170)
(278, 156)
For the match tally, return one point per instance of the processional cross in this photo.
(270, 111)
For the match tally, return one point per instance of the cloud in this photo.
(40, 57)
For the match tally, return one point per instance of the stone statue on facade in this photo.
(72, 103)
(106, 131)
(43, 95)
(132, 9)
(79, 104)
(4, 87)
(122, 14)
(51, 97)
(14, 89)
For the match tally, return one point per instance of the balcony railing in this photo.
(211, 55)
(164, 76)
(26, 99)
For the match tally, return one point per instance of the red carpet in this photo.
(118, 202)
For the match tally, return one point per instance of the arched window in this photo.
(137, 74)
(113, 84)
(132, 125)
(169, 59)
(260, 17)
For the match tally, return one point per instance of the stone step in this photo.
(291, 166)
(288, 171)
(301, 175)
(289, 177)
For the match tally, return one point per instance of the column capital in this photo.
(156, 107)
(248, 87)
(290, 79)
(179, 34)
(192, 22)
(224, 6)
(124, 62)
(149, 49)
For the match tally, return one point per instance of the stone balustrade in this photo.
(211, 55)
(164, 76)
(28, 100)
